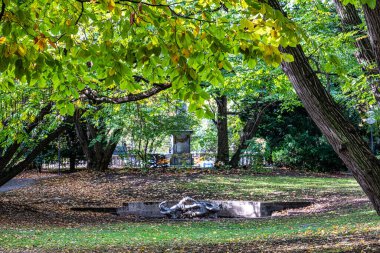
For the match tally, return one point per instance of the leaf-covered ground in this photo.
(38, 218)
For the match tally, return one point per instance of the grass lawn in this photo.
(273, 187)
(340, 221)
(165, 234)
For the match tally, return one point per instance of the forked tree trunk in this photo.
(340, 133)
(350, 21)
(222, 130)
(98, 154)
(348, 15)
(99, 158)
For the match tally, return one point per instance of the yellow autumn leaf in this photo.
(196, 31)
(175, 58)
(269, 50)
(21, 50)
(274, 34)
(2, 40)
(41, 44)
(186, 53)
(244, 4)
(111, 5)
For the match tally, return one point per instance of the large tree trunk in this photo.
(340, 133)
(222, 129)
(351, 20)
(72, 159)
(348, 15)
(98, 153)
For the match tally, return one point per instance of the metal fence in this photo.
(202, 160)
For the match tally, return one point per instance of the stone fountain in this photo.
(190, 208)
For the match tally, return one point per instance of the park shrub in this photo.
(305, 151)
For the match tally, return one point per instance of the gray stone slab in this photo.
(230, 209)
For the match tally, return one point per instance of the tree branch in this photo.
(93, 96)
(12, 149)
(8, 174)
(2, 9)
(81, 13)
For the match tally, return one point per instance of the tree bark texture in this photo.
(340, 133)
(350, 21)
(222, 129)
(348, 14)
(372, 17)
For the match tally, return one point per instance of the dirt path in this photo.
(17, 183)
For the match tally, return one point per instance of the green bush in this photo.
(302, 150)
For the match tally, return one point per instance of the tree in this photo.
(25, 133)
(178, 43)
(97, 138)
(108, 53)
(222, 156)
(148, 125)
(351, 21)
(340, 133)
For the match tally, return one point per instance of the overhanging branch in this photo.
(94, 97)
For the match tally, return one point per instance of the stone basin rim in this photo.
(229, 208)
(220, 200)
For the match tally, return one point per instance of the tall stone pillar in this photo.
(180, 147)
(181, 155)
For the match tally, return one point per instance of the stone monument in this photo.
(180, 146)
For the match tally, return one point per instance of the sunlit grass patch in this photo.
(272, 188)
